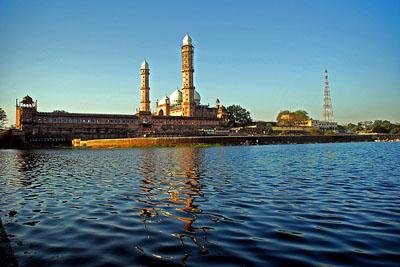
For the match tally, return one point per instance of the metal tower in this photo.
(328, 112)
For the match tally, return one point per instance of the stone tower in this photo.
(144, 87)
(25, 111)
(188, 104)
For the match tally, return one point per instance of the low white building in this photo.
(323, 125)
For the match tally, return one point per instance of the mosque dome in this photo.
(187, 40)
(163, 101)
(197, 97)
(145, 65)
(176, 97)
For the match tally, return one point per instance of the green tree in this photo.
(365, 126)
(300, 115)
(287, 118)
(395, 129)
(382, 126)
(378, 126)
(3, 119)
(237, 116)
(283, 118)
(351, 127)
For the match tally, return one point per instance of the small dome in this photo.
(27, 100)
(163, 101)
(187, 40)
(176, 97)
(197, 97)
(145, 65)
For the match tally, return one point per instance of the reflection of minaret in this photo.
(147, 210)
(170, 190)
(144, 87)
(188, 103)
(190, 171)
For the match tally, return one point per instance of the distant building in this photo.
(179, 114)
(61, 127)
(319, 125)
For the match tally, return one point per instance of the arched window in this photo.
(161, 112)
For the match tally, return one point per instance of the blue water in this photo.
(292, 205)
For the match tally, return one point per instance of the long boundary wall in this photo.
(224, 140)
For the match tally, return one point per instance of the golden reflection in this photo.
(169, 187)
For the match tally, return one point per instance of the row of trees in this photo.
(287, 118)
(377, 126)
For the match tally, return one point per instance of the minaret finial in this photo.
(145, 65)
(187, 40)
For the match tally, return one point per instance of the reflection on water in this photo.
(323, 204)
(26, 163)
(173, 194)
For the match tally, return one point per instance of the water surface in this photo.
(311, 204)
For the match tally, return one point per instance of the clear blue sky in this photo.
(84, 56)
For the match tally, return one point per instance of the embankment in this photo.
(7, 258)
(223, 140)
(12, 139)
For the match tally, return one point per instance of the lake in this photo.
(312, 205)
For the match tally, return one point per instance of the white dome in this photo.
(197, 97)
(145, 65)
(187, 40)
(163, 101)
(176, 97)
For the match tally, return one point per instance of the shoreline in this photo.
(7, 257)
(200, 141)
(203, 141)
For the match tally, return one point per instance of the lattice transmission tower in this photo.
(328, 112)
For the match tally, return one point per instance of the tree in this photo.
(237, 116)
(283, 118)
(382, 126)
(300, 115)
(351, 127)
(395, 129)
(3, 119)
(378, 126)
(287, 118)
(365, 126)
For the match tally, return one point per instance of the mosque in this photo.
(180, 113)
(185, 102)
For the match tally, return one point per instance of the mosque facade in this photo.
(185, 102)
(180, 113)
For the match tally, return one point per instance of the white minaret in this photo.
(188, 103)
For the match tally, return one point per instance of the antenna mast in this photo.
(328, 113)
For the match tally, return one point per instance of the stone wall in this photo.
(223, 140)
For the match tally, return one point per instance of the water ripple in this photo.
(303, 205)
